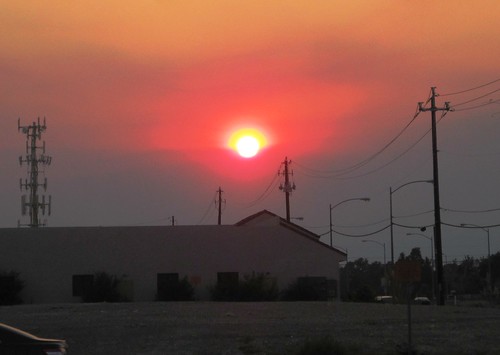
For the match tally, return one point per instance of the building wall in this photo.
(46, 258)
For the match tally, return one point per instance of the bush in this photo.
(182, 291)
(104, 289)
(306, 289)
(11, 286)
(256, 287)
(363, 294)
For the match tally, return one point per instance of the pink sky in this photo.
(141, 97)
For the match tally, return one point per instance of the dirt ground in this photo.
(257, 328)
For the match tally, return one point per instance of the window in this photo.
(172, 288)
(82, 284)
(227, 287)
(166, 286)
(227, 280)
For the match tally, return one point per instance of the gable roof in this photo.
(267, 218)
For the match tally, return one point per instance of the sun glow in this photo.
(247, 146)
(247, 142)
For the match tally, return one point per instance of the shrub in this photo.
(104, 289)
(11, 286)
(306, 289)
(256, 287)
(363, 294)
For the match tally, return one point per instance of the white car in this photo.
(383, 299)
(422, 300)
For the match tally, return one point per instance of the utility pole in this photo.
(219, 202)
(287, 187)
(437, 207)
(33, 160)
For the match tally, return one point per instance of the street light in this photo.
(385, 264)
(487, 230)
(391, 191)
(366, 199)
(432, 258)
(379, 243)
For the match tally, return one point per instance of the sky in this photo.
(141, 99)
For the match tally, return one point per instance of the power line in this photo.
(265, 194)
(476, 98)
(412, 227)
(363, 225)
(373, 170)
(470, 227)
(361, 235)
(415, 214)
(471, 89)
(354, 167)
(478, 106)
(209, 209)
(468, 211)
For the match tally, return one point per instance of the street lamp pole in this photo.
(366, 199)
(487, 230)
(379, 243)
(385, 263)
(391, 191)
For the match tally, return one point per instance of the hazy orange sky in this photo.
(141, 98)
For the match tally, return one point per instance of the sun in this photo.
(247, 146)
(247, 142)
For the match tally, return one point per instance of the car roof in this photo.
(11, 334)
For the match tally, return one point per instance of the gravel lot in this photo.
(257, 328)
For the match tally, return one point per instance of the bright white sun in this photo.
(247, 142)
(247, 146)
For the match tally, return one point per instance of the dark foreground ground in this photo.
(257, 328)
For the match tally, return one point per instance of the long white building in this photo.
(53, 262)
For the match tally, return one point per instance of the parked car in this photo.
(384, 299)
(18, 342)
(422, 300)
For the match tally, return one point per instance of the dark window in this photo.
(227, 279)
(82, 284)
(172, 288)
(167, 285)
(227, 286)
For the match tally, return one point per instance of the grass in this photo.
(327, 346)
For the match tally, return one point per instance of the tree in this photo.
(362, 281)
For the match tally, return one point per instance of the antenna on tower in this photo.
(35, 159)
(288, 186)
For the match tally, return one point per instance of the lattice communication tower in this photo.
(35, 159)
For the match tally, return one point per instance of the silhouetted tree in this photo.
(361, 280)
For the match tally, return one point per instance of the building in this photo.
(54, 262)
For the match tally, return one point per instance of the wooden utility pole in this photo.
(219, 219)
(437, 207)
(287, 187)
